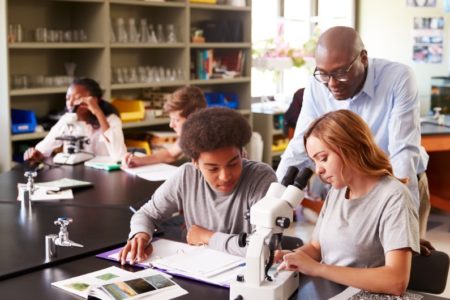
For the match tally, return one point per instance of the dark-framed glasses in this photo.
(341, 75)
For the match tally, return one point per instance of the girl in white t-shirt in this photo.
(100, 120)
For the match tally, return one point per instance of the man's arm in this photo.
(404, 131)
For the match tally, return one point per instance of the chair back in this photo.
(429, 273)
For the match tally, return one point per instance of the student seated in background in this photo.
(99, 119)
(183, 102)
(214, 191)
(368, 228)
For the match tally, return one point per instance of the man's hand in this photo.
(425, 247)
(137, 248)
(33, 155)
(197, 235)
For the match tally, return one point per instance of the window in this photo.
(289, 24)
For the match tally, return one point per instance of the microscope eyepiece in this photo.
(301, 180)
(288, 179)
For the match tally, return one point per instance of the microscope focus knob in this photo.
(240, 278)
(242, 239)
(283, 222)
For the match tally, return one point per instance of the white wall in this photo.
(386, 29)
(5, 124)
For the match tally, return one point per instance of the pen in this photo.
(132, 209)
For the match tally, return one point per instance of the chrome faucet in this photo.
(60, 239)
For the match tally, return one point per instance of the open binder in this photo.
(194, 262)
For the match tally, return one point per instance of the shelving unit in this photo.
(264, 124)
(97, 57)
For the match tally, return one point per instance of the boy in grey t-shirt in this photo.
(214, 191)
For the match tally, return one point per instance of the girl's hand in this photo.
(301, 262)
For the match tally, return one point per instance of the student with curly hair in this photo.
(368, 228)
(214, 191)
(100, 120)
(183, 102)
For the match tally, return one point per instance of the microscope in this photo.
(270, 216)
(73, 142)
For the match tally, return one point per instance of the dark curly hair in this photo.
(187, 100)
(213, 128)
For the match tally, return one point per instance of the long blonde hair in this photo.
(346, 133)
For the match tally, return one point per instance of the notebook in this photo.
(194, 262)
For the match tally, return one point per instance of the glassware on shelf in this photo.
(15, 33)
(83, 35)
(133, 35)
(19, 81)
(67, 37)
(160, 34)
(122, 35)
(40, 35)
(153, 38)
(145, 33)
(70, 68)
(133, 76)
(171, 36)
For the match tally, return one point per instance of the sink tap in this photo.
(61, 239)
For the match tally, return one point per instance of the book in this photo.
(65, 183)
(103, 163)
(194, 262)
(352, 293)
(156, 172)
(115, 283)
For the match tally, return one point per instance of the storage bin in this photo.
(130, 110)
(229, 100)
(131, 143)
(23, 121)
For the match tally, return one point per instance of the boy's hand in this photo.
(137, 248)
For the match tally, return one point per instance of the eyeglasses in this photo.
(341, 75)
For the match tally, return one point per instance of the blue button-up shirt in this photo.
(388, 102)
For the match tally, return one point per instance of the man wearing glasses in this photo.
(383, 93)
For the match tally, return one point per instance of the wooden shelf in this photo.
(147, 45)
(221, 45)
(39, 91)
(149, 3)
(43, 46)
(99, 57)
(127, 86)
(144, 123)
(220, 81)
(219, 7)
(28, 136)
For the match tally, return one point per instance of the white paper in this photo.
(202, 263)
(44, 193)
(156, 172)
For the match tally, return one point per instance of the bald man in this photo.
(383, 93)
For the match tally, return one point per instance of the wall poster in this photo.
(428, 39)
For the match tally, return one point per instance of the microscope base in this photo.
(71, 159)
(282, 287)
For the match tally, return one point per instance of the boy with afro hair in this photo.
(214, 191)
